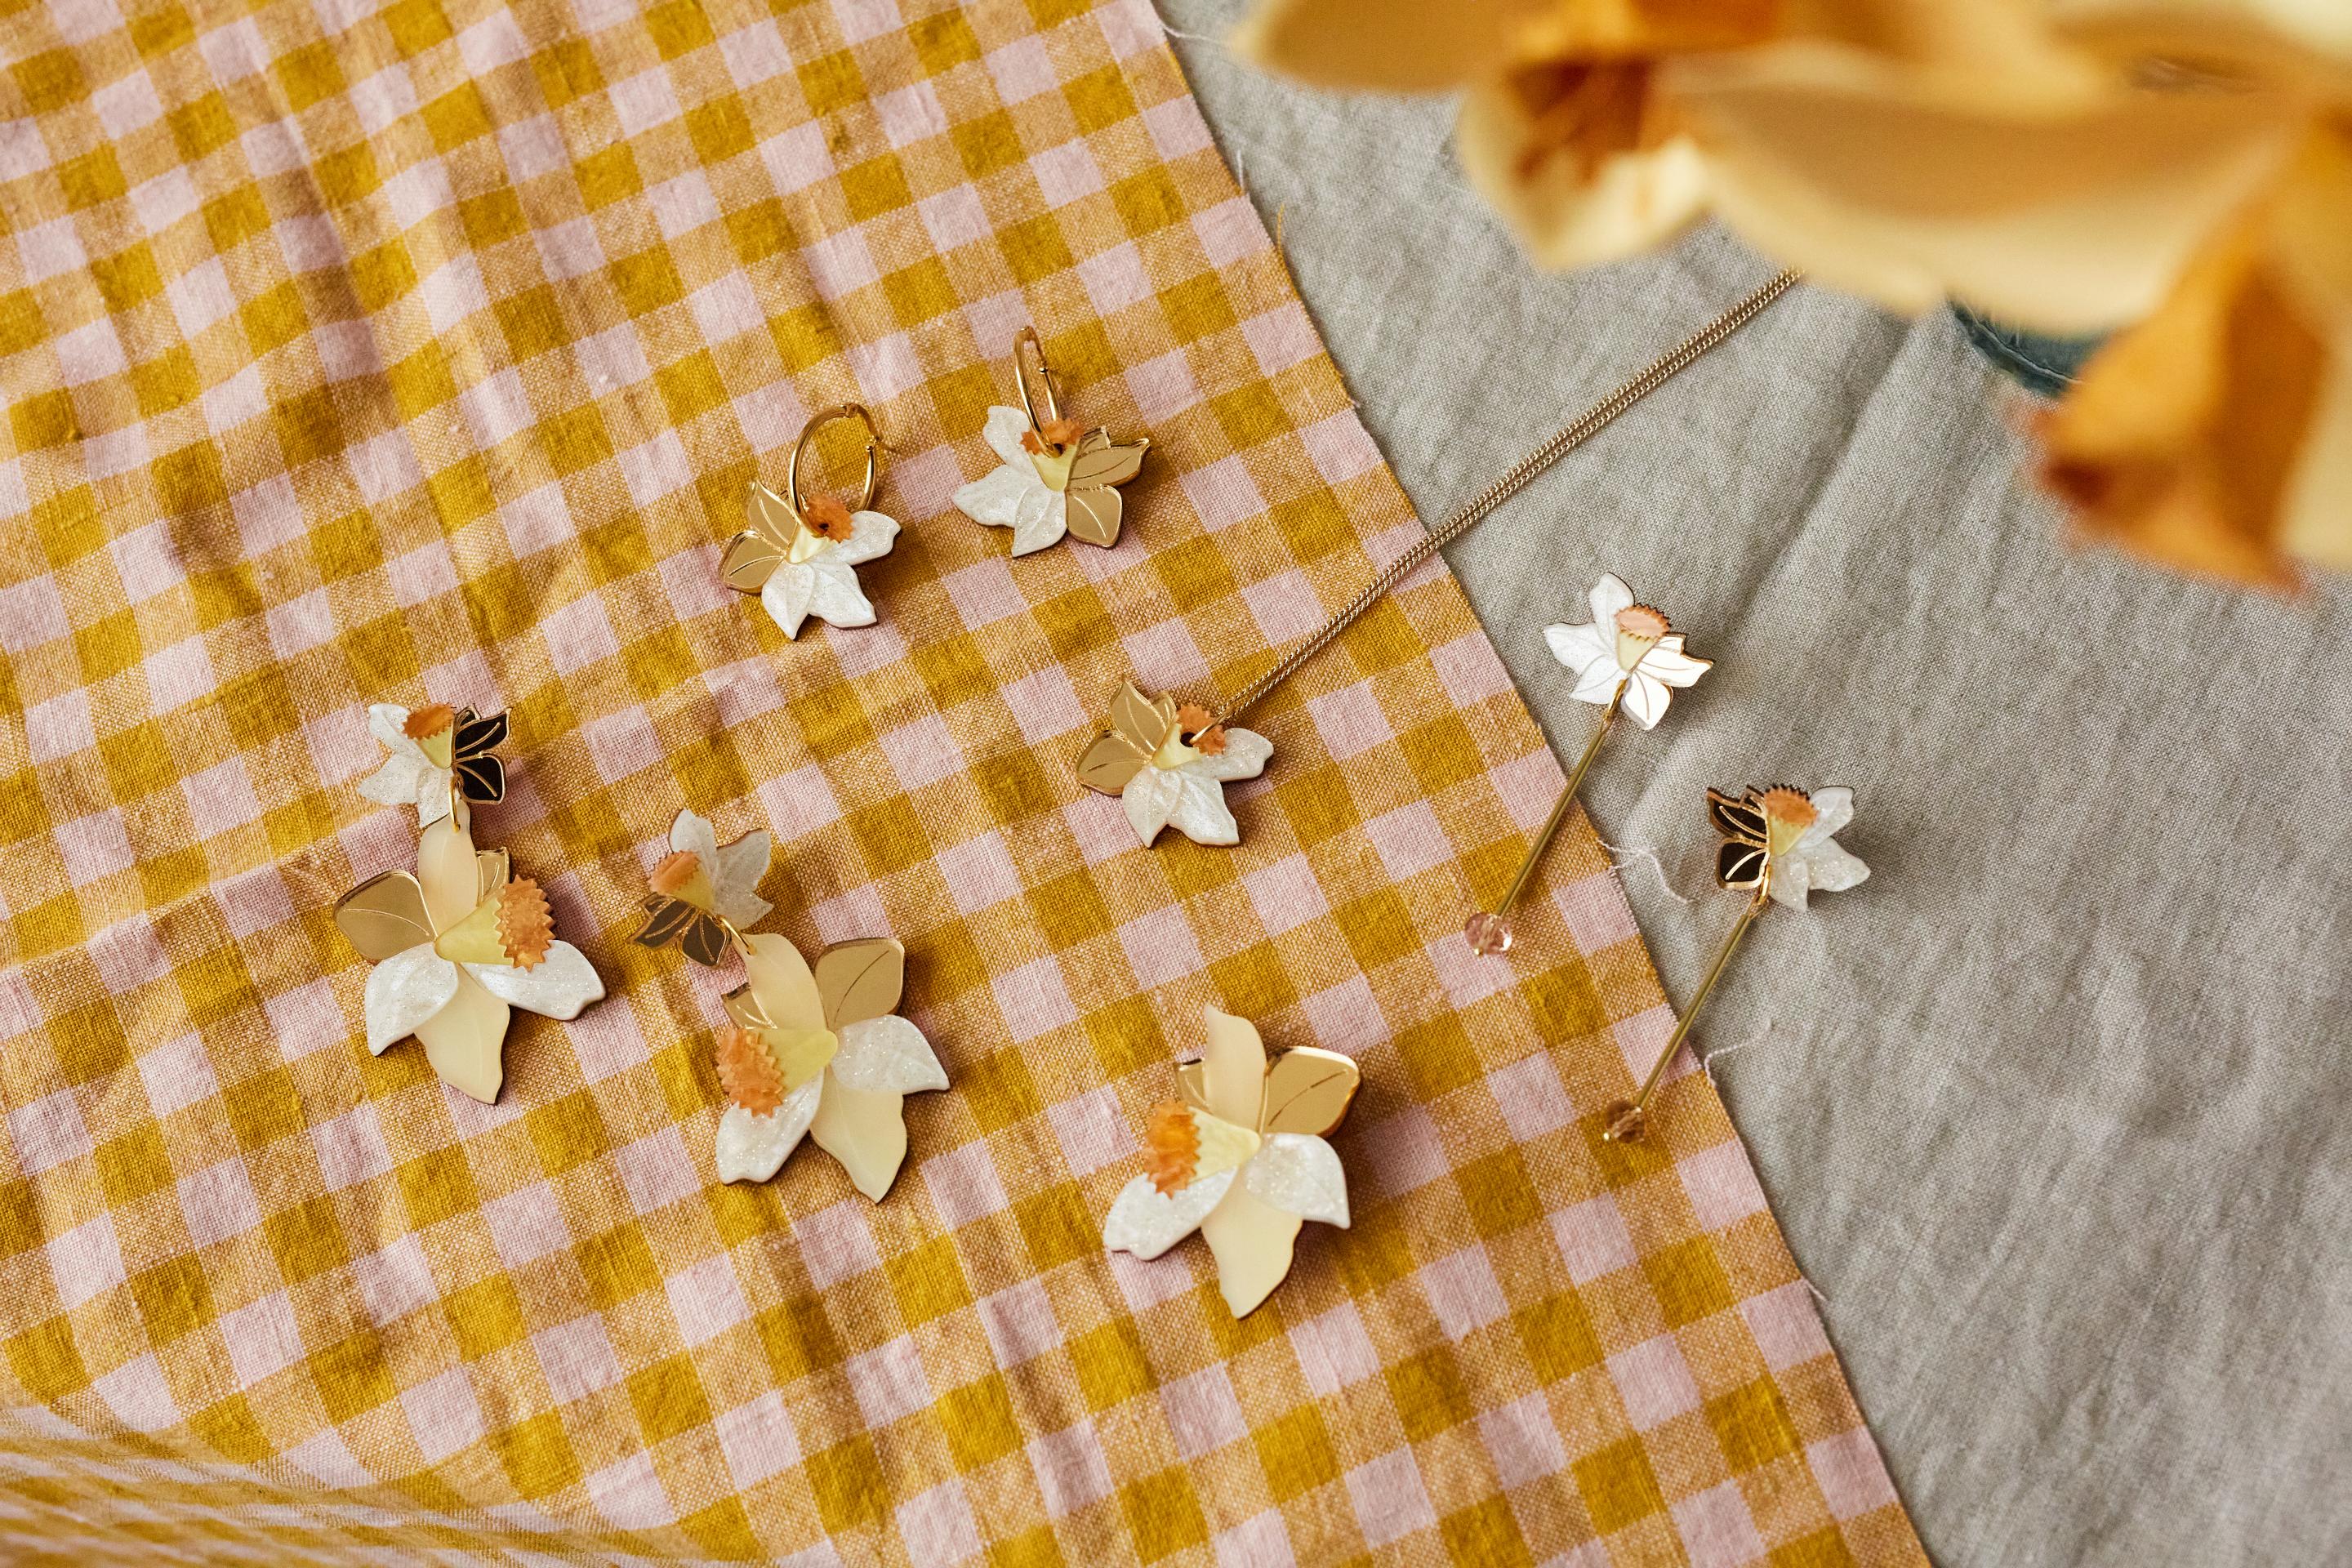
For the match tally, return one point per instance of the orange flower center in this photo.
(680, 876)
(748, 1073)
(1172, 1142)
(526, 925)
(1057, 435)
(429, 720)
(1787, 812)
(1639, 629)
(827, 519)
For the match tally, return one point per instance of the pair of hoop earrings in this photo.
(799, 553)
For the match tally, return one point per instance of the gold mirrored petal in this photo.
(1141, 721)
(1103, 461)
(750, 559)
(495, 870)
(744, 1009)
(384, 915)
(861, 980)
(1193, 1084)
(1308, 1090)
(1109, 762)
(1094, 516)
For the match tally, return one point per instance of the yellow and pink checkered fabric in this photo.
(424, 352)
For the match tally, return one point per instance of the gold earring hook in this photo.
(1028, 339)
(874, 444)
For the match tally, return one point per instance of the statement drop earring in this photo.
(1053, 475)
(815, 1051)
(801, 553)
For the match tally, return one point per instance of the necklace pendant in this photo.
(1169, 763)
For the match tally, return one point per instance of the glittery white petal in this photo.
(838, 599)
(888, 1055)
(871, 535)
(1044, 518)
(750, 1148)
(790, 589)
(692, 834)
(1147, 1221)
(1609, 596)
(1580, 647)
(1831, 867)
(1245, 756)
(1833, 809)
(1669, 663)
(1645, 698)
(557, 986)
(741, 864)
(1004, 431)
(1200, 813)
(1149, 797)
(1299, 1175)
(388, 723)
(397, 782)
(1600, 681)
(403, 990)
(998, 496)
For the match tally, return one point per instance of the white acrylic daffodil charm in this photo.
(804, 563)
(1051, 479)
(1169, 765)
(1625, 644)
(820, 1052)
(1242, 1159)
(455, 946)
(705, 892)
(1785, 841)
(438, 756)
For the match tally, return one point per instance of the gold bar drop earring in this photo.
(1779, 845)
(1628, 659)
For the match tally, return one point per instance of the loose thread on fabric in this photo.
(1638, 852)
(1706, 1062)
(1586, 426)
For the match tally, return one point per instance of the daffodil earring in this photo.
(1053, 475)
(800, 553)
(1627, 660)
(816, 1051)
(1240, 1156)
(1779, 845)
(462, 941)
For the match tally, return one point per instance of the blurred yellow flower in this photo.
(2176, 167)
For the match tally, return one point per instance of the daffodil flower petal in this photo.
(1609, 596)
(403, 990)
(887, 1056)
(791, 590)
(751, 1148)
(871, 535)
(1669, 663)
(736, 876)
(1200, 813)
(1147, 1221)
(1149, 799)
(1833, 809)
(1579, 647)
(557, 986)
(1253, 1241)
(866, 1130)
(1245, 756)
(834, 593)
(1300, 1174)
(692, 834)
(1646, 697)
(1002, 432)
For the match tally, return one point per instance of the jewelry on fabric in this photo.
(1240, 1155)
(1563, 441)
(816, 1051)
(1053, 477)
(801, 553)
(460, 941)
(1629, 658)
(1779, 845)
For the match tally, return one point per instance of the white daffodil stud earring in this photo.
(1240, 1157)
(462, 941)
(1053, 477)
(801, 553)
(439, 758)
(815, 1051)
(1779, 845)
(1626, 660)
(1169, 764)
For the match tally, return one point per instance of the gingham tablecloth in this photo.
(424, 352)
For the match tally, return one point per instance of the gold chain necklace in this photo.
(1168, 761)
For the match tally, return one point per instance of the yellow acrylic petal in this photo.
(865, 1129)
(801, 1054)
(1609, 197)
(446, 868)
(782, 982)
(1398, 46)
(1233, 1069)
(465, 1041)
(1253, 1241)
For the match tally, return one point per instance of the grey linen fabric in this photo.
(2052, 1109)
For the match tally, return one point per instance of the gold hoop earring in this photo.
(1052, 477)
(800, 553)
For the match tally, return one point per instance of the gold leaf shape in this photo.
(1109, 762)
(1141, 721)
(1193, 1084)
(1103, 461)
(493, 867)
(1093, 515)
(1308, 1090)
(861, 980)
(750, 559)
(384, 915)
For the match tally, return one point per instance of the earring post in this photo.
(1628, 1121)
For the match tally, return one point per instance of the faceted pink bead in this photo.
(1488, 934)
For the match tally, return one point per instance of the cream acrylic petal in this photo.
(1147, 1221)
(1245, 756)
(558, 987)
(871, 535)
(403, 990)
(1253, 1242)
(1232, 1067)
(834, 597)
(1002, 432)
(865, 1131)
(749, 1148)
(465, 1042)
(782, 982)
(1200, 813)
(1300, 1174)
(1148, 798)
(887, 1056)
